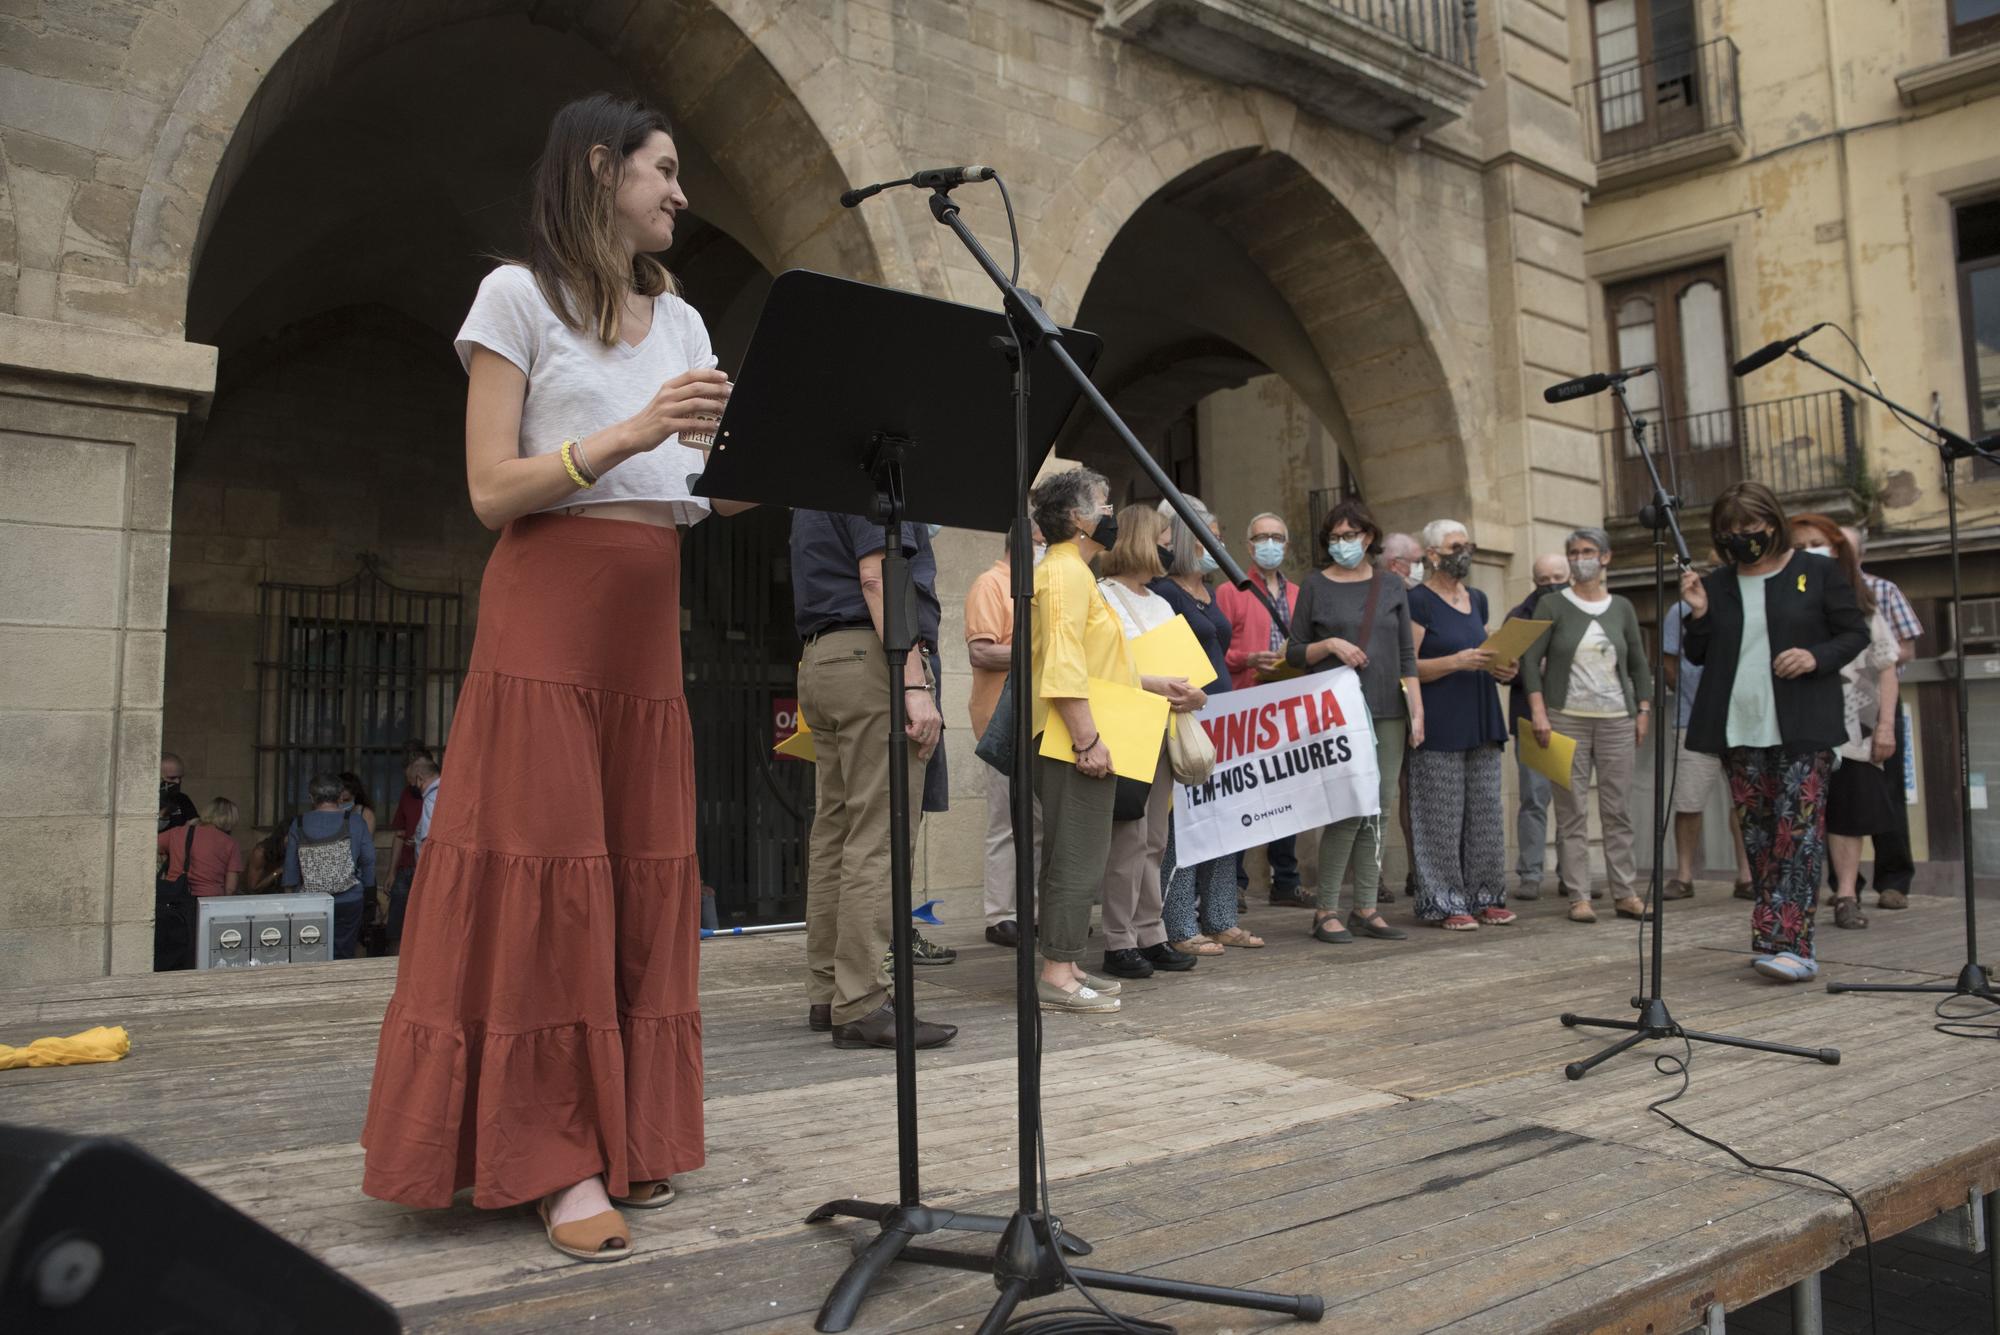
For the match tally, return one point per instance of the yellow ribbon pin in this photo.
(1802, 583)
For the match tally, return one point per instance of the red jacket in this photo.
(1249, 627)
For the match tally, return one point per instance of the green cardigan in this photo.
(1546, 665)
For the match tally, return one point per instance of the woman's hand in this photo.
(1094, 761)
(1794, 663)
(1416, 731)
(1883, 744)
(1266, 662)
(1694, 593)
(691, 401)
(1505, 672)
(1639, 727)
(1538, 723)
(1472, 660)
(1184, 698)
(1349, 654)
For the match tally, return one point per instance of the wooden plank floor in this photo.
(1384, 1124)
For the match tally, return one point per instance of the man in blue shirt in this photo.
(837, 599)
(329, 851)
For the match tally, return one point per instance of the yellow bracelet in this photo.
(569, 463)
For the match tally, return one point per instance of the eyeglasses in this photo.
(1345, 535)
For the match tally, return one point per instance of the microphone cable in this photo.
(1966, 1024)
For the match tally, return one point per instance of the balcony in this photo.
(1390, 69)
(1803, 448)
(1673, 113)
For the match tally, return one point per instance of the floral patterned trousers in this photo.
(1782, 799)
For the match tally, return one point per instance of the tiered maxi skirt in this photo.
(545, 1025)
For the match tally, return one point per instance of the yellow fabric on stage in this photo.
(1554, 760)
(92, 1045)
(1171, 650)
(1508, 643)
(1132, 722)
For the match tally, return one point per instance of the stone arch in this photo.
(787, 124)
(1319, 213)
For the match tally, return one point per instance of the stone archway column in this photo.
(87, 425)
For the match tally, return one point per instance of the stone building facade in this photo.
(1331, 245)
(1762, 167)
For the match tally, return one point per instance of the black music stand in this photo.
(914, 422)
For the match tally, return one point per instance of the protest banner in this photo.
(1289, 756)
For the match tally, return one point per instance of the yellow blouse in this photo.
(1077, 636)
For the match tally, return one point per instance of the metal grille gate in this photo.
(345, 674)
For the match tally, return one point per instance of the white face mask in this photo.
(1041, 550)
(1585, 568)
(1819, 551)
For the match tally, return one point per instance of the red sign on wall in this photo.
(784, 719)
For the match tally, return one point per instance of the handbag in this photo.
(996, 744)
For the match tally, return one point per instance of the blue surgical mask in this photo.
(1347, 552)
(347, 806)
(1208, 566)
(1819, 551)
(1269, 553)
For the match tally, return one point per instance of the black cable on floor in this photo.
(1668, 1064)
(1965, 1024)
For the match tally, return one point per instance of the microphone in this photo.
(1586, 385)
(1770, 352)
(935, 178)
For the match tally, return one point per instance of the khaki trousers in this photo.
(1131, 891)
(1000, 846)
(1605, 748)
(844, 699)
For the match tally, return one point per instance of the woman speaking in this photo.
(544, 1040)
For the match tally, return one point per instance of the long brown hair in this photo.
(1843, 551)
(1137, 551)
(573, 247)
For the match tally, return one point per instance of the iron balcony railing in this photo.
(1795, 446)
(1639, 105)
(1445, 29)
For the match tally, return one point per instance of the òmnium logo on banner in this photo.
(1291, 756)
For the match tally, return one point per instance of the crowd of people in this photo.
(328, 846)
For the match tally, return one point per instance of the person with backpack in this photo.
(328, 851)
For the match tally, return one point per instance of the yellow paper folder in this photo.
(1171, 650)
(1508, 643)
(1554, 760)
(800, 745)
(1132, 722)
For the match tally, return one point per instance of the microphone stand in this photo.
(1974, 980)
(1029, 1261)
(1655, 1021)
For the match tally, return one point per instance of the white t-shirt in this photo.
(577, 386)
(1595, 690)
(1137, 612)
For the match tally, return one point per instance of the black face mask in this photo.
(1553, 586)
(168, 787)
(1105, 534)
(1744, 549)
(1167, 555)
(1456, 564)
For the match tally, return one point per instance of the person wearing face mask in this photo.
(1353, 615)
(176, 807)
(1771, 632)
(1257, 646)
(1403, 557)
(1078, 639)
(1586, 677)
(1531, 814)
(989, 640)
(1457, 822)
(1862, 798)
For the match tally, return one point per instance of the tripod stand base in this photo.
(1655, 1023)
(1024, 1265)
(1973, 981)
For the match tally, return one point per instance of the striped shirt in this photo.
(1895, 610)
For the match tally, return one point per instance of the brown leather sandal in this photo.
(1236, 936)
(602, 1237)
(647, 1195)
(1847, 912)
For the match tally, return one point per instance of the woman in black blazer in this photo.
(1771, 631)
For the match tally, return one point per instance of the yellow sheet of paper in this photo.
(1132, 722)
(800, 745)
(1553, 760)
(1171, 650)
(1508, 643)
(1282, 672)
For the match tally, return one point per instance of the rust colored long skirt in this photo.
(546, 1022)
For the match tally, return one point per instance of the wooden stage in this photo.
(1384, 1124)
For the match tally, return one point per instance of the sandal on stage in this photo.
(1236, 936)
(1327, 928)
(1376, 927)
(1459, 922)
(602, 1237)
(1497, 916)
(647, 1195)
(1196, 945)
(1847, 912)
(1745, 891)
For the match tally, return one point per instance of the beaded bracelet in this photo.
(583, 464)
(569, 463)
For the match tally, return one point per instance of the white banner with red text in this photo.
(1289, 756)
